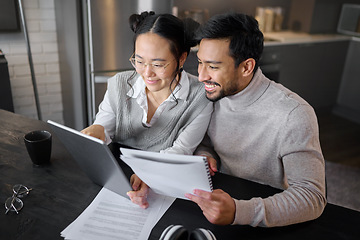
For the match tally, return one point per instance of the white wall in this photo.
(40, 20)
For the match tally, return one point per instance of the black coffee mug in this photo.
(38, 145)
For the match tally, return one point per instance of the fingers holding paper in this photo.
(212, 165)
(218, 206)
(141, 190)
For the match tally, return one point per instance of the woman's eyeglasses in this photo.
(14, 202)
(140, 65)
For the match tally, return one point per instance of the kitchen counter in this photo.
(299, 61)
(289, 37)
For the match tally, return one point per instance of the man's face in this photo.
(217, 69)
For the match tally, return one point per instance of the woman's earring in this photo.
(181, 69)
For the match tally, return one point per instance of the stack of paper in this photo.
(111, 216)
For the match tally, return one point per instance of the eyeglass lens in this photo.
(140, 65)
(20, 190)
(13, 204)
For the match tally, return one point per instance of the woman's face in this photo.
(155, 62)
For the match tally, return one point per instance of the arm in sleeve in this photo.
(304, 170)
(106, 118)
(192, 135)
(206, 148)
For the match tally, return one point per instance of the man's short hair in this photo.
(246, 39)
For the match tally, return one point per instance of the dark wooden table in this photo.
(61, 191)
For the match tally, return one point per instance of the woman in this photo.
(159, 107)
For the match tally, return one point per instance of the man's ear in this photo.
(248, 67)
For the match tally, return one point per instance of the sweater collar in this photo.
(256, 88)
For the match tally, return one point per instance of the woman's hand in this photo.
(96, 131)
(212, 164)
(141, 190)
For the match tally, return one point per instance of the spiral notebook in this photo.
(169, 174)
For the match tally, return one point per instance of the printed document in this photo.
(111, 216)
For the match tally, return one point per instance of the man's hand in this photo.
(96, 131)
(218, 207)
(141, 190)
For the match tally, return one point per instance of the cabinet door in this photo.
(270, 62)
(314, 70)
(6, 100)
(349, 95)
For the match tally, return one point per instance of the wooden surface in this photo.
(62, 191)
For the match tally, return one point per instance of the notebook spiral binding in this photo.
(208, 173)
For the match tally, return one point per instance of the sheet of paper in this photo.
(169, 174)
(111, 216)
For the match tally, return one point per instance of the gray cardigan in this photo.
(177, 116)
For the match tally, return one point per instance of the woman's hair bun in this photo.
(135, 20)
(190, 27)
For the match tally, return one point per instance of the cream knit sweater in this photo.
(268, 134)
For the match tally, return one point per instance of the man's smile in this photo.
(211, 86)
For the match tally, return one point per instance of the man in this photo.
(259, 131)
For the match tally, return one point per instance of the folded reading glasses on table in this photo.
(14, 203)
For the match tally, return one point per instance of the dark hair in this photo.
(246, 39)
(180, 33)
